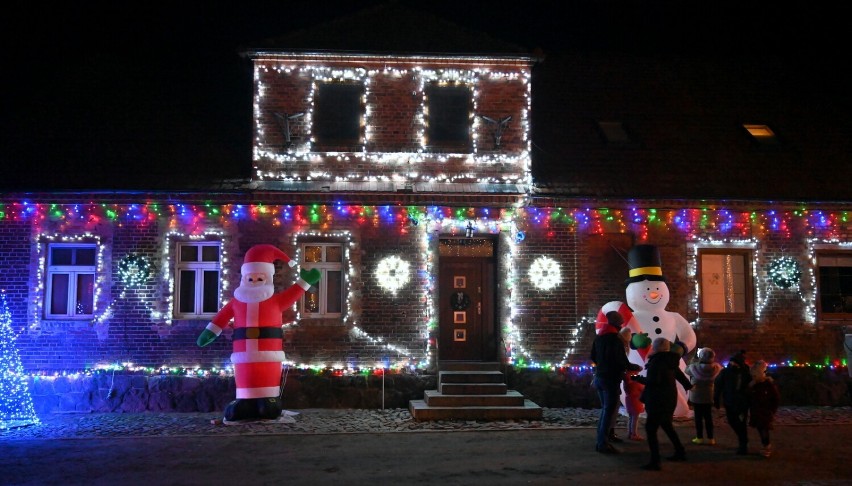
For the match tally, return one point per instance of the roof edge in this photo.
(256, 54)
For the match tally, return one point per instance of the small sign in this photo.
(460, 335)
(459, 282)
(459, 317)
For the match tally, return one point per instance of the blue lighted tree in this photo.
(16, 404)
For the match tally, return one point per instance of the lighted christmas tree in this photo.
(16, 404)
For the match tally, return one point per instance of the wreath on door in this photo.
(459, 301)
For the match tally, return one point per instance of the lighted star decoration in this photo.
(393, 273)
(545, 273)
(784, 272)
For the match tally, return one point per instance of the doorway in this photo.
(466, 287)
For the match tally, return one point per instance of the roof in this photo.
(684, 118)
(684, 110)
(391, 28)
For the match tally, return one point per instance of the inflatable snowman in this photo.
(647, 296)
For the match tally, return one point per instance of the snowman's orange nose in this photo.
(654, 295)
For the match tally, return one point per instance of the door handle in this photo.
(479, 308)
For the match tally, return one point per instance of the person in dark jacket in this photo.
(731, 389)
(610, 366)
(660, 398)
(765, 398)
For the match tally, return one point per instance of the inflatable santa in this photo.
(258, 348)
(648, 295)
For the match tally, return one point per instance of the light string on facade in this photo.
(205, 221)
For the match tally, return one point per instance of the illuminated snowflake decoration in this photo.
(545, 273)
(784, 272)
(134, 270)
(393, 273)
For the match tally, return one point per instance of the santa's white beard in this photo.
(250, 295)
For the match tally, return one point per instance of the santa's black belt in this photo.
(258, 333)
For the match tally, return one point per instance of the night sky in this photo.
(147, 95)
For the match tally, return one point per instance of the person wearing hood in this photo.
(660, 397)
(765, 398)
(610, 366)
(702, 375)
(731, 388)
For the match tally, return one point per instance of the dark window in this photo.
(614, 132)
(337, 113)
(449, 116)
(835, 284)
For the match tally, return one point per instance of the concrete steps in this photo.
(472, 391)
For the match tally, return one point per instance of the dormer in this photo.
(416, 120)
(378, 101)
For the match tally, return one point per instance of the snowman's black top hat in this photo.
(644, 261)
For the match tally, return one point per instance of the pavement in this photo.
(330, 446)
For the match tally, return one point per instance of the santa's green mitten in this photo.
(311, 276)
(206, 337)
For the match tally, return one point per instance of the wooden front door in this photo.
(468, 330)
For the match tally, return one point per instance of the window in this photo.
(614, 132)
(834, 271)
(70, 285)
(724, 282)
(449, 116)
(197, 276)
(761, 134)
(337, 114)
(325, 299)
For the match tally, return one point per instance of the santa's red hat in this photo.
(260, 258)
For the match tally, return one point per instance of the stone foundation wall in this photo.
(130, 393)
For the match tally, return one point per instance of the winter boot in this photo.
(614, 438)
(240, 409)
(268, 408)
(679, 456)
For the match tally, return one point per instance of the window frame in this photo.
(748, 283)
(73, 271)
(448, 144)
(324, 267)
(818, 284)
(199, 268)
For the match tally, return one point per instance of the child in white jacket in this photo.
(702, 376)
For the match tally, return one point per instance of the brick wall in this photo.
(379, 325)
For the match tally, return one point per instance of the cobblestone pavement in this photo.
(336, 421)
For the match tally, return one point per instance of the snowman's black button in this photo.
(658, 330)
(656, 318)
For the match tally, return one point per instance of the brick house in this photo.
(472, 207)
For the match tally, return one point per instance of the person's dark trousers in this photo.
(738, 419)
(663, 421)
(764, 435)
(609, 392)
(703, 420)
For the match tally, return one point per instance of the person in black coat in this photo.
(610, 367)
(660, 398)
(732, 390)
